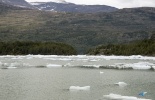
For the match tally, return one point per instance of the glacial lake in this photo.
(39, 77)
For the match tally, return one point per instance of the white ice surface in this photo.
(101, 72)
(78, 88)
(50, 61)
(53, 66)
(139, 65)
(121, 84)
(112, 96)
(13, 65)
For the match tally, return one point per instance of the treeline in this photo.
(144, 47)
(44, 48)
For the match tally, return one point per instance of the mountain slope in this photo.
(70, 7)
(4, 8)
(80, 30)
(144, 47)
(18, 3)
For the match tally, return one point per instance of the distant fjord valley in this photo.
(64, 28)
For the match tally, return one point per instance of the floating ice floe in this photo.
(78, 88)
(53, 66)
(101, 72)
(112, 96)
(13, 65)
(142, 93)
(65, 59)
(93, 60)
(138, 57)
(84, 61)
(121, 84)
(92, 66)
(17, 58)
(139, 65)
(68, 65)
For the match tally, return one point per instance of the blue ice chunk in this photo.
(142, 93)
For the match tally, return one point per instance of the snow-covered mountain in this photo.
(62, 6)
(18, 3)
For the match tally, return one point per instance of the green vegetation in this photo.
(144, 47)
(44, 48)
(82, 31)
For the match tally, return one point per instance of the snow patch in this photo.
(56, 1)
(37, 3)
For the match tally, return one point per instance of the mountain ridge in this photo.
(81, 30)
(18, 3)
(60, 6)
(71, 7)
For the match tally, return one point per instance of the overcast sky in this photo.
(115, 3)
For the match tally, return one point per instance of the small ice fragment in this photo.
(11, 67)
(93, 60)
(101, 72)
(142, 93)
(53, 66)
(122, 84)
(78, 88)
(112, 96)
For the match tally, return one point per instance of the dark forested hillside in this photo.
(145, 47)
(82, 31)
(27, 47)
